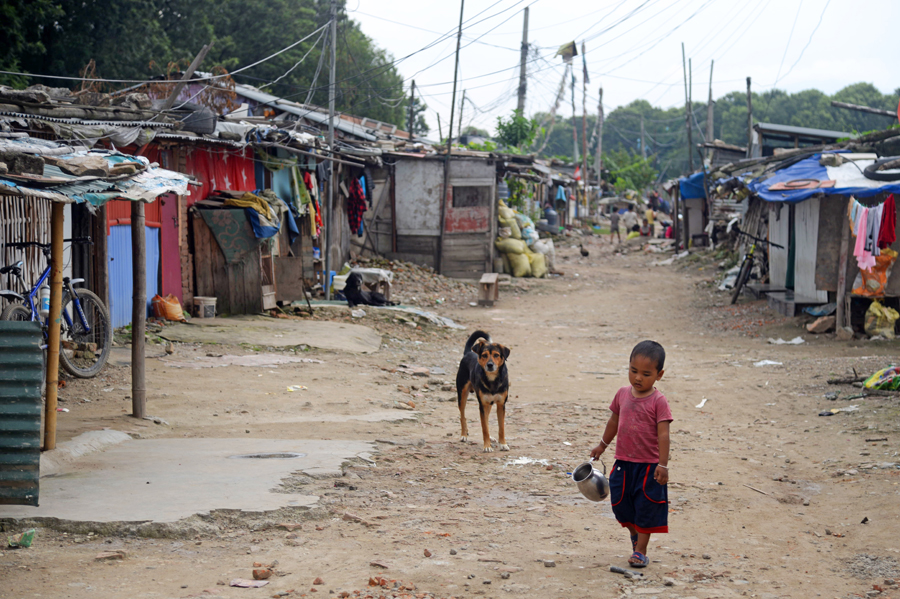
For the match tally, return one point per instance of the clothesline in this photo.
(874, 228)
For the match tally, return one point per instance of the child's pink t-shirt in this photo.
(637, 438)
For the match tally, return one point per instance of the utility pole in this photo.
(446, 186)
(523, 57)
(599, 157)
(574, 129)
(749, 121)
(584, 152)
(687, 112)
(412, 103)
(710, 109)
(643, 140)
(170, 101)
(461, 104)
(329, 216)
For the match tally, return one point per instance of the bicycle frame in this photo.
(35, 290)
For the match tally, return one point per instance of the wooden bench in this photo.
(489, 289)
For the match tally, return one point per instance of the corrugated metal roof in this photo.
(21, 373)
(801, 131)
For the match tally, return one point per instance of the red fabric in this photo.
(356, 205)
(888, 234)
(637, 439)
(314, 198)
(219, 168)
(649, 531)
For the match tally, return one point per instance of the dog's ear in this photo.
(479, 346)
(504, 351)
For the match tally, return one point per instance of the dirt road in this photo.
(767, 498)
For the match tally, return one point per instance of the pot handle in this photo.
(602, 463)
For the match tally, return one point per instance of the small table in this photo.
(489, 289)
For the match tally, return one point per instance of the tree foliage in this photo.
(138, 39)
(665, 133)
(517, 131)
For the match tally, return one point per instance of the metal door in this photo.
(120, 272)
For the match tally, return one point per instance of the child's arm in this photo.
(612, 427)
(662, 473)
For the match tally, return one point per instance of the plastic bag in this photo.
(504, 232)
(871, 282)
(538, 265)
(530, 235)
(545, 246)
(880, 320)
(524, 220)
(511, 246)
(521, 266)
(167, 308)
(887, 379)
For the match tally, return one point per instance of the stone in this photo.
(504, 575)
(706, 556)
(822, 324)
(549, 563)
(453, 552)
(845, 333)
(427, 553)
(318, 580)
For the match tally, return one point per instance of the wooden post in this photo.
(584, 171)
(523, 74)
(749, 121)
(842, 317)
(412, 101)
(459, 128)
(170, 101)
(676, 226)
(138, 310)
(57, 221)
(439, 263)
(710, 108)
(329, 214)
(600, 137)
(101, 251)
(687, 113)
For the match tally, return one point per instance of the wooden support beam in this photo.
(57, 220)
(170, 101)
(842, 315)
(138, 310)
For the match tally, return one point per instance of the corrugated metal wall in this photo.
(21, 367)
(120, 277)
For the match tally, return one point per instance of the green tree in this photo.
(517, 131)
(21, 26)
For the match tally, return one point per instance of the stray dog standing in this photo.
(482, 371)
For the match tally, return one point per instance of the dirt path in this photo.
(767, 498)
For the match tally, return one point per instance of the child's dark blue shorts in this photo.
(637, 499)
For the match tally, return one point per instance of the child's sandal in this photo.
(643, 560)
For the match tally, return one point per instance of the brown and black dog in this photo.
(482, 371)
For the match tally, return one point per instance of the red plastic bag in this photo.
(168, 308)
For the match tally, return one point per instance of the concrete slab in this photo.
(272, 332)
(166, 480)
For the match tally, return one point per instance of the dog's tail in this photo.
(473, 338)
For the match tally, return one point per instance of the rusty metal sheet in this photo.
(21, 373)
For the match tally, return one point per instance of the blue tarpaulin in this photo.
(692, 187)
(848, 179)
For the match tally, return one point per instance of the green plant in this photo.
(517, 131)
(487, 146)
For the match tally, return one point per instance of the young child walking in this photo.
(640, 418)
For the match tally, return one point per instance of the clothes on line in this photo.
(874, 228)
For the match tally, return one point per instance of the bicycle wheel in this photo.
(741, 279)
(84, 354)
(16, 312)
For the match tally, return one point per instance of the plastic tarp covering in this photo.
(692, 187)
(848, 178)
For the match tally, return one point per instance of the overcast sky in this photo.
(633, 49)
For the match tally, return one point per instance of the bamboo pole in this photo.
(57, 220)
(842, 316)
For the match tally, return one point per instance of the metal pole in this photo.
(643, 142)
(329, 216)
(584, 157)
(710, 109)
(446, 186)
(461, 104)
(749, 121)
(574, 129)
(138, 310)
(600, 137)
(412, 101)
(523, 78)
(57, 217)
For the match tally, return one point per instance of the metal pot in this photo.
(591, 482)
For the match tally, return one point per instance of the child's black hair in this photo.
(651, 350)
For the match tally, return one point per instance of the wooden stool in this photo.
(489, 287)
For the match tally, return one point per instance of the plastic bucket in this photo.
(204, 307)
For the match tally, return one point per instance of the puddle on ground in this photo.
(271, 456)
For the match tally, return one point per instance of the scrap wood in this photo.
(110, 555)
(757, 490)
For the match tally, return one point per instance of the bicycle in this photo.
(85, 335)
(747, 264)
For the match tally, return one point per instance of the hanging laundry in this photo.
(873, 228)
(888, 234)
(864, 259)
(356, 206)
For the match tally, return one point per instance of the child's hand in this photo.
(598, 451)
(661, 475)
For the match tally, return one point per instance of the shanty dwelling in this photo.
(695, 210)
(463, 246)
(769, 137)
(806, 207)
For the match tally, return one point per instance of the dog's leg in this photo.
(485, 412)
(501, 424)
(462, 395)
